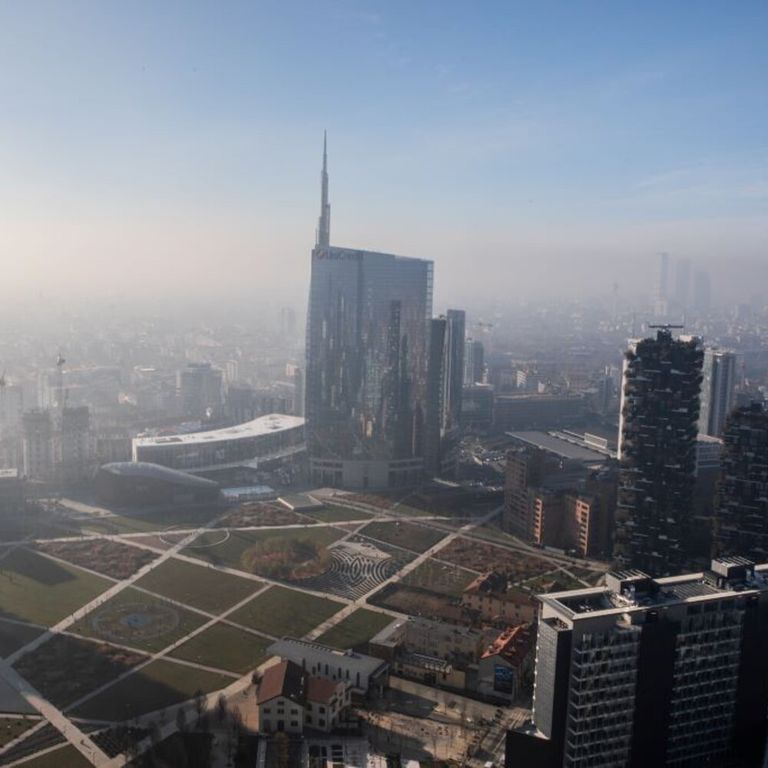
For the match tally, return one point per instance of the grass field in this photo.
(37, 589)
(334, 514)
(439, 577)
(230, 552)
(280, 611)
(12, 727)
(198, 586)
(15, 636)
(111, 621)
(66, 668)
(156, 686)
(408, 535)
(356, 629)
(225, 647)
(191, 517)
(63, 757)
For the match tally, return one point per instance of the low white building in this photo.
(364, 674)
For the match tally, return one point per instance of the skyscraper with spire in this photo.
(366, 367)
(323, 236)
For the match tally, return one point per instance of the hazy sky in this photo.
(166, 147)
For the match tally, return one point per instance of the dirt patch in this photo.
(101, 555)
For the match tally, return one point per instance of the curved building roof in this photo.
(264, 425)
(146, 470)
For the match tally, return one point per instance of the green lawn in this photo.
(356, 629)
(408, 535)
(280, 611)
(334, 514)
(439, 577)
(64, 668)
(230, 552)
(192, 517)
(64, 757)
(225, 647)
(36, 589)
(159, 622)
(198, 586)
(158, 685)
(15, 636)
(12, 727)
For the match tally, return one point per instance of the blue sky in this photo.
(550, 146)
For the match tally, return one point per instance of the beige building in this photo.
(289, 700)
(492, 598)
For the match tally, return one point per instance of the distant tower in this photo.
(323, 239)
(657, 450)
(717, 390)
(661, 303)
(682, 283)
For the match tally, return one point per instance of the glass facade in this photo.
(367, 354)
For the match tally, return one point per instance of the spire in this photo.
(324, 223)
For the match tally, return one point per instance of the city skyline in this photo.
(184, 151)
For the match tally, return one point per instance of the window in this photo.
(308, 719)
(294, 711)
(321, 722)
(267, 710)
(294, 723)
(322, 710)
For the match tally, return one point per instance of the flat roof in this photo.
(686, 588)
(292, 648)
(549, 442)
(264, 425)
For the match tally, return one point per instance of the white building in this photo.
(267, 438)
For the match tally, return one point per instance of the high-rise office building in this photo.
(435, 419)
(649, 672)
(717, 390)
(474, 362)
(366, 372)
(454, 365)
(683, 283)
(741, 508)
(702, 291)
(657, 451)
(199, 386)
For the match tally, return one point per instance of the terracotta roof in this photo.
(284, 679)
(321, 690)
(513, 644)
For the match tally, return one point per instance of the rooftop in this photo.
(285, 679)
(291, 648)
(629, 591)
(513, 644)
(549, 442)
(264, 425)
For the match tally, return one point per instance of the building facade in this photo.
(288, 700)
(741, 508)
(651, 672)
(657, 452)
(717, 390)
(268, 438)
(366, 370)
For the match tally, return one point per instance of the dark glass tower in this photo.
(741, 510)
(366, 377)
(657, 449)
